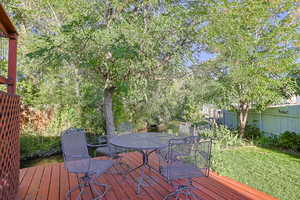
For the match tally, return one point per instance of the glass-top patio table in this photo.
(145, 143)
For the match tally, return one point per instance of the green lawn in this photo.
(270, 171)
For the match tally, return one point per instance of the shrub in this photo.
(223, 137)
(267, 140)
(289, 140)
(33, 146)
(201, 123)
(252, 132)
(286, 140)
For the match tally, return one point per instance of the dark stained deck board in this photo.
(135, 160)
(22, 174)
(157, 184)
(64, 183)
(54, 186)
(25, 184)
(215, 187)
(106, 180)
(244, 190)
(130, 192)
(242, 187)
(35, 183)
(116, 184)
(51, 182)
(73, 181)
(240, 194)
(45, 183)
(132, 181)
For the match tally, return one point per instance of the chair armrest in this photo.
(102, 139)
(96, 145)
(102, 142)
(75, 156)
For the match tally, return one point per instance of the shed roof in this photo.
(6, 26)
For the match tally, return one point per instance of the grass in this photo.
(270, 171)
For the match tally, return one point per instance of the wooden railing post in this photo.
(12, 64)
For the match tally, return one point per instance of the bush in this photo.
(252, 132)
(289, 140)
(201, 123)
(33, 146)
(223, 137)
(264, 140)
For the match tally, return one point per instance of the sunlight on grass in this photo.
(270, 171)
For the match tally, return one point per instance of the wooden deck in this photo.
(51, 182)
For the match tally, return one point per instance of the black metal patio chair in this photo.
(187, 158)
(115, 152)
(78, 161)
(184, 130)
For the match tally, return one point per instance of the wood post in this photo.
(12, 64)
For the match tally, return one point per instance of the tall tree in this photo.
(122, 44)
(255, 46)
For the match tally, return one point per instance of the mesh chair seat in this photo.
(89, 166)
(164, 154)
(180, 171)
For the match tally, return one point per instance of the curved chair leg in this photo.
(81, 192)
(121, 168)
(80, 186)
(100, 194)
(86, 181)
(170, 195)
(120, 164)
(195, 196)
(185, 190)
(124, 165)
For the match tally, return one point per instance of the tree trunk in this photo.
(77, 82)
(108, 111)
(244, 108)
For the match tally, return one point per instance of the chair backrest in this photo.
(185, 130)
(124, 128)
(75, 151)
(193, 150)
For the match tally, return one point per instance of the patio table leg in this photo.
(145, 161)
(145, 164)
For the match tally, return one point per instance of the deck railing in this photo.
(9, 145)
(9, 111)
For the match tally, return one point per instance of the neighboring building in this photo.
(275, 119)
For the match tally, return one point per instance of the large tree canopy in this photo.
(255, 46)
(117, 44)
(116, 57)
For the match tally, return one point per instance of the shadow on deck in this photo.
(51, 182)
